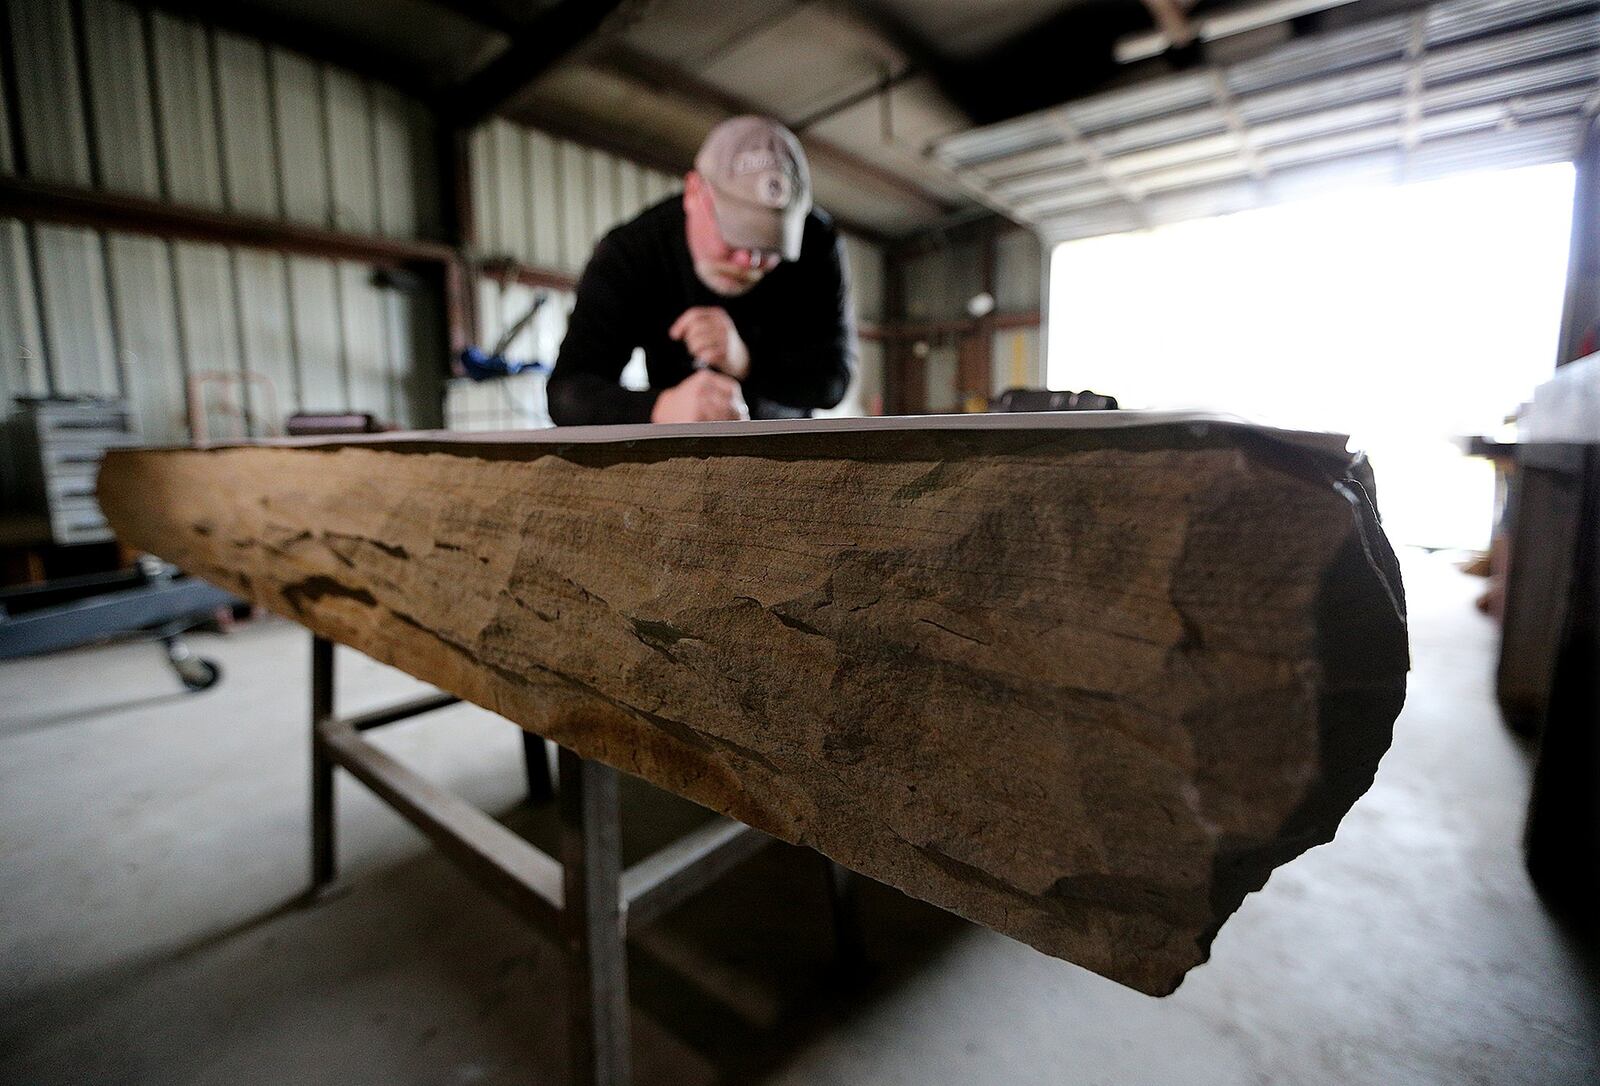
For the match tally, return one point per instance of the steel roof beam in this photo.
(539, 45)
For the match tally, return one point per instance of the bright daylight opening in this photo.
(1435, 307)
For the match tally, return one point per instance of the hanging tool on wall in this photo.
(481, 365)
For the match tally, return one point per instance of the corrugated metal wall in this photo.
(545, 201)
(118, 98)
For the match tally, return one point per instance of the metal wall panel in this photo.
(22, 371)
(361, 326)
(153, 379)
(666, 184)
(318, 337)
(48, 101)
(355, 204)
(491, 321)
(118, 68)
(70, 279)
(866, 278)
(1018, 265)
(8, 162)
(265, 340)
(408, 187)
(1015, 355)
(244, 104)
(940, 368)
(413, 332)
(184, 102)
(485, 191)
(301, 136)
(508, 163)
(939, 283)
(630, 190)
(209, 331)
(654, 184)
(602, 195)
(574, 213)
(22, 358)
(544, 200)
(427, 187)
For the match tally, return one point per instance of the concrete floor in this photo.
(151, 844)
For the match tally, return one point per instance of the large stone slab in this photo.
(1085, 680)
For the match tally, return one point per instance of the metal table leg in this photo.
(587, 895)
(322, 766)
(592, 922)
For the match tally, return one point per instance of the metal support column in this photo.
(322, 765)
(592, 922)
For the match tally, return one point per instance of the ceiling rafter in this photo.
(538, 45)
(1096, 161)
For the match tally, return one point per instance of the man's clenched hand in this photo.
(703, 396)
(708, 332)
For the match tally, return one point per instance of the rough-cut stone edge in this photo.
(1361, 694)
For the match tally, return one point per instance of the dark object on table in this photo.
(154, 600)
(311, 424)
(1042, 399)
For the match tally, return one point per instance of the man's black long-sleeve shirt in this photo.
(797, 323)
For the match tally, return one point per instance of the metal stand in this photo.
(153, 601)
(587, 895)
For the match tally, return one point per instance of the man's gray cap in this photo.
(760, 184)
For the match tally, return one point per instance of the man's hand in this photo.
(708, 332)
(703, 396)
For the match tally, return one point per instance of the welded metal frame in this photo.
(586, 894)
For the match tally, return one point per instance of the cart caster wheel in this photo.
(198, 674)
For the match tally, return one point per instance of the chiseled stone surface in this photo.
(1085, 687)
